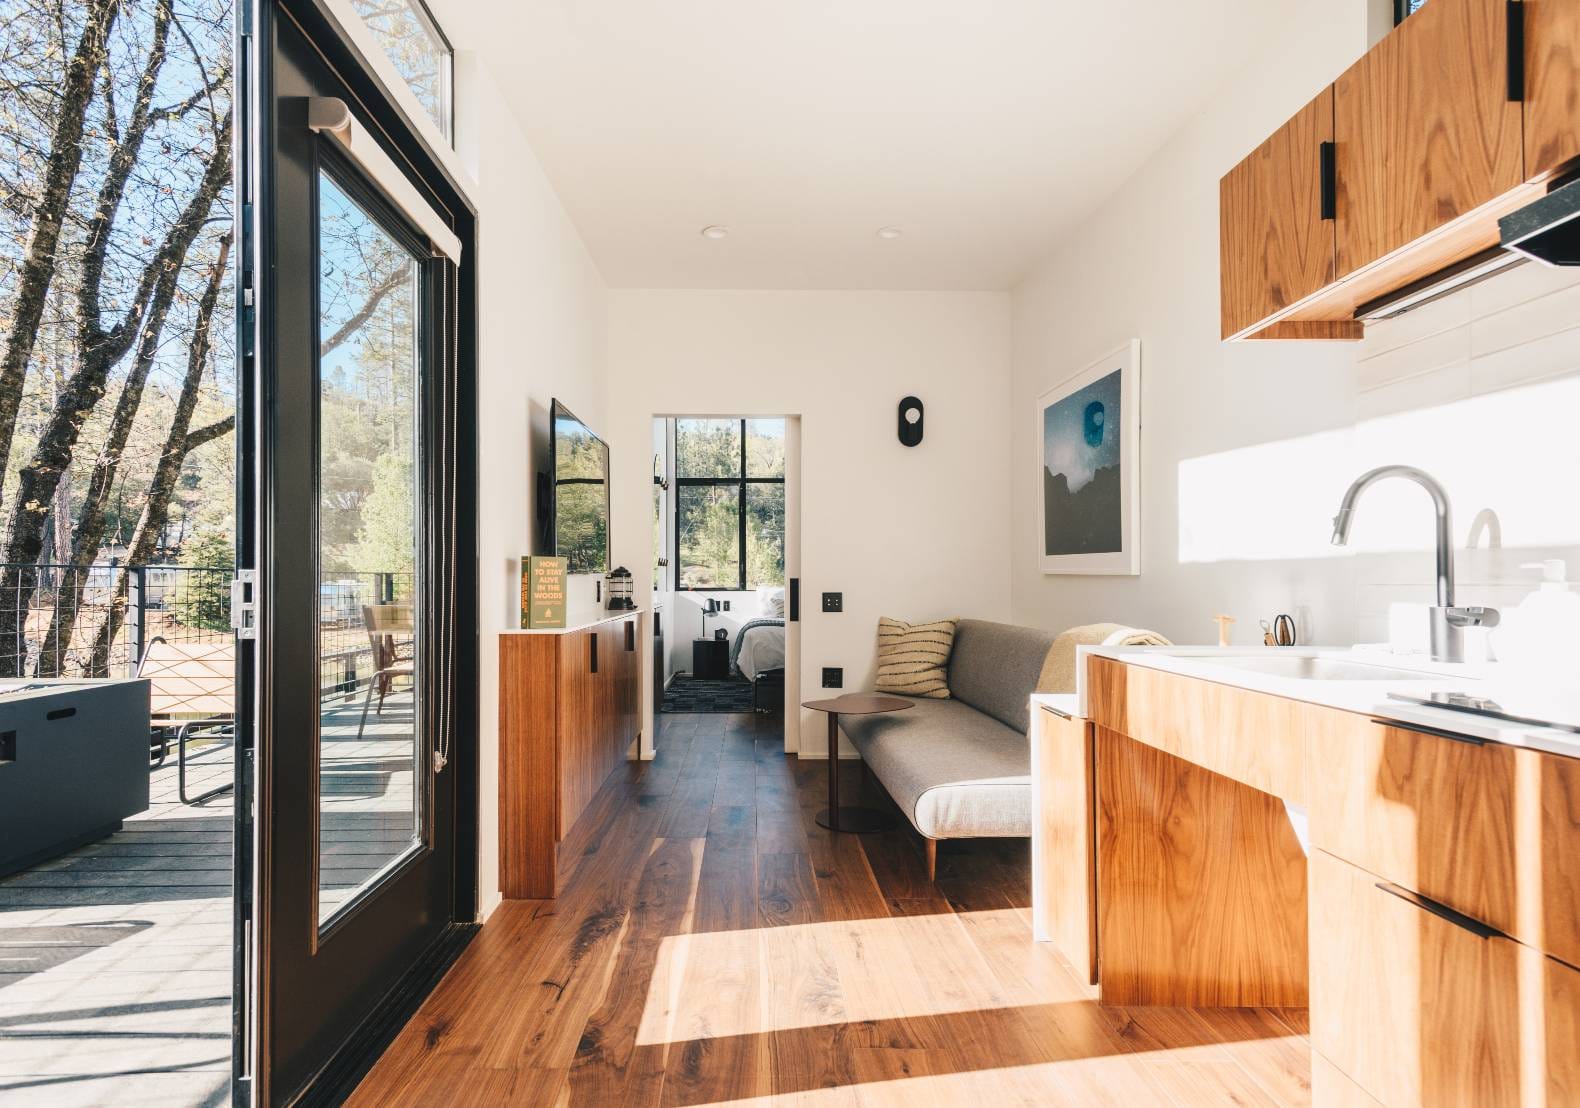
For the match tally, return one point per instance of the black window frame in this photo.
(739, 483)
(1402, 10)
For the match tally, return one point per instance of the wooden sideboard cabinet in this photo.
(568, 714)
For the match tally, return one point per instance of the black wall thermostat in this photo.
(910, 421)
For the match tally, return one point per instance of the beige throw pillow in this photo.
(913, 659)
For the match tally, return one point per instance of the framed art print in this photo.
(1089, 466)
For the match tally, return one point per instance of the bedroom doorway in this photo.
(726, 559)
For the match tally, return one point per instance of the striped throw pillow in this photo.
(913, 658)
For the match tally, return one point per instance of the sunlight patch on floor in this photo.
(807, 975)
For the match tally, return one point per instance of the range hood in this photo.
(1547, 229)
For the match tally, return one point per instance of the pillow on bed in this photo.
(771, 602)
(913, 658)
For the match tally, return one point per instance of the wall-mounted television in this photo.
(577, 517)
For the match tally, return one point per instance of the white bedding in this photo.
(762, 649)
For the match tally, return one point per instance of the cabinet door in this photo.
(1063, 847)
(1275, 232)
(1425, 128)
(579, 723)
(1552, 84)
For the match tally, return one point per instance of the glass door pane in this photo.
(369, 350)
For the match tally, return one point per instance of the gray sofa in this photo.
(961, 768)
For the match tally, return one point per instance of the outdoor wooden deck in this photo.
(115, 959)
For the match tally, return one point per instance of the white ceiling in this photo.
(983, 128)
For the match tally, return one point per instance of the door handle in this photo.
(1514, 44)
(1441, 911)
(1435, 732)
(795, 600)
(1328, 174)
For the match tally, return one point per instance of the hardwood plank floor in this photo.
(713, 945)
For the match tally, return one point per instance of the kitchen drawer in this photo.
(1491, 831)
(1253, 738)
(1421, 1006)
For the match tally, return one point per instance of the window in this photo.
(410, 38)
(729, 503)
(1404, 8)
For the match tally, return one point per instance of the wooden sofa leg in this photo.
(932, 859)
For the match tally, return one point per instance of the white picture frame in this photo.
(1076, 533)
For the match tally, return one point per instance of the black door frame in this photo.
(256, 32)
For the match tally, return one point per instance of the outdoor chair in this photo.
(191, 693)
(391, 632)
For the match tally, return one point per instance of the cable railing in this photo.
(97, 620)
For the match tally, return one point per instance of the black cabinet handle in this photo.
(61, 713)
(1328, 168)
(1514, 30)
(1441, 911)
(592, 641)
(630, 634)
(1435, 732)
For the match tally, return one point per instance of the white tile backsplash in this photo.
(1481, 389)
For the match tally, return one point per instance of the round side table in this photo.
(855, 820)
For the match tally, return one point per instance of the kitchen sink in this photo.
(1306, 668)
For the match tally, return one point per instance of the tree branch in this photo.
(202, 435)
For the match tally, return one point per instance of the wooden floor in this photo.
(714, 946)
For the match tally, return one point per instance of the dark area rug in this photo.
(690, 694)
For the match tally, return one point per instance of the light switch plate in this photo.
(833, 602)
(833, 677)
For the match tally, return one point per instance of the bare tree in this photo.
(100, 349)
(38, 266)
(180, 441)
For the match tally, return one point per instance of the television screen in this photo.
(581, 494)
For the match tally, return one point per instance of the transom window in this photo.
(729, 503)
(411, 39)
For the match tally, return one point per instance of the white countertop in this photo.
(579, 621)
(1362, 697)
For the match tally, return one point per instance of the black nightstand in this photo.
(710, 659)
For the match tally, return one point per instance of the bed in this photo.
(759, 648)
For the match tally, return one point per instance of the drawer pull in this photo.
(61, 713)
(1328, 174)
(1436, 732)
(630, 635)
(1441, 911)
(1514, 45)
(592, 645)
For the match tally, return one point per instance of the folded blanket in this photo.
(1058, 669)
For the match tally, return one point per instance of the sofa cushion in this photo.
(954, 771)
(913, 658)
(995, 666)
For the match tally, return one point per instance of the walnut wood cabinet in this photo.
(568, 714)
(1275, 210)
(1454, 119)
(1552, 85)
(1426, 129)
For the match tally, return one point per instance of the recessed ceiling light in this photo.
(889, 232)
(715, 231)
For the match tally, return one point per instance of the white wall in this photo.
(542, 316)
(912, 533)
(1248, 448)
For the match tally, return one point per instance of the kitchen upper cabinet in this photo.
(1426, 129)
(1552, 84)
(1276, 237)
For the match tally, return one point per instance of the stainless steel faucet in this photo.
(1448, 622)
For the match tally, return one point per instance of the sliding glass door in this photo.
(362, 872)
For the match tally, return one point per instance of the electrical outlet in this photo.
(833, 602)
(726, 605)
(833, 677)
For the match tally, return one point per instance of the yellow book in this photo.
(542, 592)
